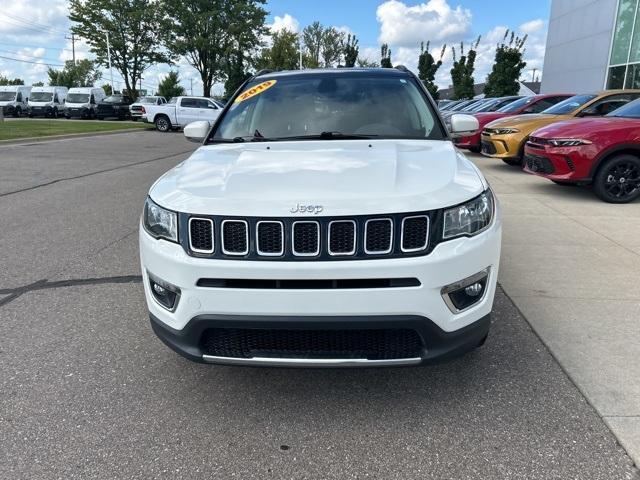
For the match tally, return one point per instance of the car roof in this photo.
(391, 72)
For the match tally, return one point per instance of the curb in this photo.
(18, 141)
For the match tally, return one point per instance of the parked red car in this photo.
(531, 104)
(604, 152)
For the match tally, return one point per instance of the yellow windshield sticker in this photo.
(253, 91)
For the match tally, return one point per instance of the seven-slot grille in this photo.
(297, 238)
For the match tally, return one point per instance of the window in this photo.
(633, 76)
(349, 103)
(623, 31)
(189, 103)
(616, 77)
(19, 97)
(630, 110)
(608, 104)
(55, 98)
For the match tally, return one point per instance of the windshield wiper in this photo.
(330, 136)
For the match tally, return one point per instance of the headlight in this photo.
(568, 142)
(470, 218)
(159, 222)
(505, 131)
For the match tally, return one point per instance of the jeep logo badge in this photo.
(314, 209)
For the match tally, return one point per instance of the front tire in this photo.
(618, 179)
(163, 124)
(17, 112)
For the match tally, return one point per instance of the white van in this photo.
(47, 101)
(14, 99)
(82, 102)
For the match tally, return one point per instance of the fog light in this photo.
(474, 290)
(164, 293)
(464, 294)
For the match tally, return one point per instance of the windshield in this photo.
(330, 106)
(78, 98)
(7, 96)
(517, 105)
(41, 96)
(479, 107)
(630, 110)
(114, 99)
(569, 105)
(147, 100)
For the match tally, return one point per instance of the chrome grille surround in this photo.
(352, 251)
(227, 251)
(198, 249)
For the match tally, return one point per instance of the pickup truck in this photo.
(180, 111)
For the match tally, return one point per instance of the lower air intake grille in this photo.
(338, 344)
(378, 236)
(415, 233)
(539, 164)
(235, 237)
(201, 235)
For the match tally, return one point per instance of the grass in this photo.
(15, 129)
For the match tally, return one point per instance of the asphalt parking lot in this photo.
(87, 391)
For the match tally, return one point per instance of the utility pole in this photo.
(73, 46)
(533, 75)
(191, 86)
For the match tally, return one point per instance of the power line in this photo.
(32, 23)
(35, 63)
(28, 56)
(13, 44)
(33, 29)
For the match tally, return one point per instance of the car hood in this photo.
(588, 127)
(528, 121)
(487, 117)
(345, 177)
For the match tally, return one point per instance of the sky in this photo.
(33, 33)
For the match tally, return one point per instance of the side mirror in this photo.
(463, 125)
(197, 131)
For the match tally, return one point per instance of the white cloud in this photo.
(435, 20)
(532, 26)
(285, 22)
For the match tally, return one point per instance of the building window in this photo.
(616, 77)
(633, 76)
(623, 31)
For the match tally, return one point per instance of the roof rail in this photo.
(402, 68)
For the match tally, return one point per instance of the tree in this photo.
(134, 34)
(332, 41)
(235, 73)
(170, 86)
(350, 51)
(427, 68)
(38, 84)
(107, 89)
(462, 72)
(366, 63)
(507, 67)
(215, 36)
(385, 56)
(7, 81)
(283, 53)
(312, 38)
(83, 73)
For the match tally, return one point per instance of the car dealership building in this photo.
(592, 45)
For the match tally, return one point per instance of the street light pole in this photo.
(300, 48)
(113, 88)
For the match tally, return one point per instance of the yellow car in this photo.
(505, 138)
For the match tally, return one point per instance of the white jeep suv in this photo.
(327, 220)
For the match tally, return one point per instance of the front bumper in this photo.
(565, 164)
(500, 146)
(421, 307)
